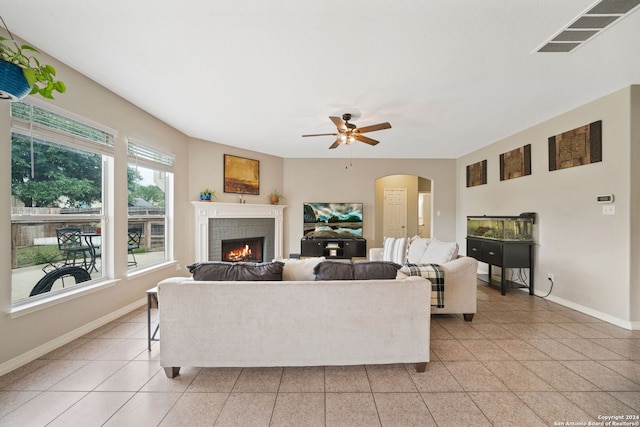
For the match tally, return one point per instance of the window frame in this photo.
(32, 130)
(143, 155)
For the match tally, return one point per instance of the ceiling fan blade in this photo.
(335, 144)
(372, 128)
(338, 122)
(366, 140)
(322, 134)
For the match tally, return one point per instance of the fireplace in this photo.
(216, 221)
(243, 250)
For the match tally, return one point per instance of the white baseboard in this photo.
(591, 312)
(48, 347)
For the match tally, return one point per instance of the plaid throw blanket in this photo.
(434, 273)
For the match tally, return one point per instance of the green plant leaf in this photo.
(46, 92)
(50, 69)
(30, 75)
(21, 60)
(60, 87)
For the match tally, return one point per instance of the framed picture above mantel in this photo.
(241, 175)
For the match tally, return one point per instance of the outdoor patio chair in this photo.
(135, 235)
(73, 246)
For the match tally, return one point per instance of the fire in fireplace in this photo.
(247, 249)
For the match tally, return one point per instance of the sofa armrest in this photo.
(375, 254)
(462, 265)
(460, 289)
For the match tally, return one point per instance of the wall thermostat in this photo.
(605, 198)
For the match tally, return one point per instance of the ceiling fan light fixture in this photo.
(348, 133)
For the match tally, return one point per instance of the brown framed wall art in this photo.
(515, 163)
(241, 175)
(577, 147)
(477, 174)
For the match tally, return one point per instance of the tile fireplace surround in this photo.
(204, 211)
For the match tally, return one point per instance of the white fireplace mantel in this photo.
(206, 210)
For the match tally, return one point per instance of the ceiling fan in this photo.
(349, 133)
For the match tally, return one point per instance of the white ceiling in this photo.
(451, 76)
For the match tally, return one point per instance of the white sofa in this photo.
(460, 285)
(293, 323)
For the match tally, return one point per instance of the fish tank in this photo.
(509, 228)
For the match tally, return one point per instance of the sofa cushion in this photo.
(236, 271)
(300, 269)
(417, 248)
(439, 252)
(334, 270)
(375, 270)
(395, 249)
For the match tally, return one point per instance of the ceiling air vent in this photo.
(589, 24)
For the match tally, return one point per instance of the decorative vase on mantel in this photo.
(208, 195)
(13, 85)
(275, 196)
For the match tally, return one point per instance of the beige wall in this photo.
(342, 180)
(206, 169)
(30, 334)
(588, 253)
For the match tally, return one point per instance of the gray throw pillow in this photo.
(333, 270)
(236, 271)
(375, 270)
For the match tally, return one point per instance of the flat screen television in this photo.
(332, 220)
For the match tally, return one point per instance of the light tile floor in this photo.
(523, 361)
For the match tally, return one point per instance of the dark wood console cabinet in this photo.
(504, 254)
(334, 248)
(504, 241)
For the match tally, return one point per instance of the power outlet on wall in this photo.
(550, 276)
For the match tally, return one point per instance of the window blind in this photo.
(144, 156)
(39, 123)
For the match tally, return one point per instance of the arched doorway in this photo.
(393, 211)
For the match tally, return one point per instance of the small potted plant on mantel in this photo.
(207, 195)
(22, 74)
(275, 196)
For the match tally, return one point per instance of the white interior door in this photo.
(395, 212)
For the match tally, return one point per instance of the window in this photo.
(58, 204)
(150, 181)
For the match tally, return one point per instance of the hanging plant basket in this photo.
(13, 85)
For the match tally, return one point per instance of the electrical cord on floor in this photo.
(522, 276)
(550, 289)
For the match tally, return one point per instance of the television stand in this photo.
(333, 248)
